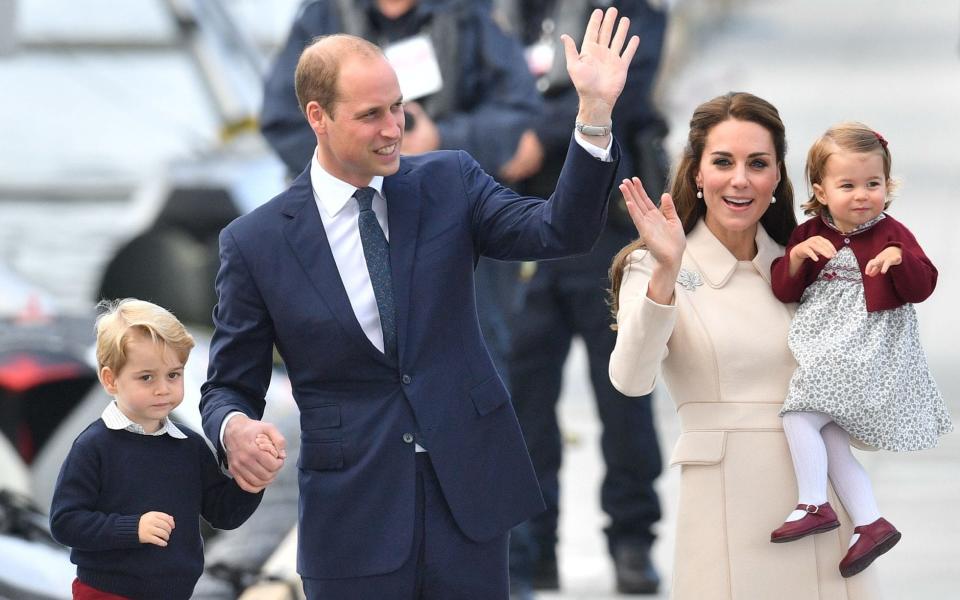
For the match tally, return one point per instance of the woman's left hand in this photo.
(660, 228)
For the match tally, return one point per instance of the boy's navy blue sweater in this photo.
(111, 478)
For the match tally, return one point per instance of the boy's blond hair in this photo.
(118, 317)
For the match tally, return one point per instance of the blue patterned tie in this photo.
(376, 250)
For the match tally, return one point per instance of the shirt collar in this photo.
(114, 419)
(717, 264)
(332, 194)
(828, 221)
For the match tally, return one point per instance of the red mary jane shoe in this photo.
(875, 539)
(817, 520)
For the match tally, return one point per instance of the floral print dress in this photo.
(867, 370)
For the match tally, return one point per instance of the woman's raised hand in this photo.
(660, 228)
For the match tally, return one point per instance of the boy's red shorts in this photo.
(82, 591)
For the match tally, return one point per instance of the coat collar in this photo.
(717, 264)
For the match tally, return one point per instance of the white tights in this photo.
(821, 448)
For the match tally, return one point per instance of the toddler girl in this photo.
(861, 373)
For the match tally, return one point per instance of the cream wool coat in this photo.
(723, 351)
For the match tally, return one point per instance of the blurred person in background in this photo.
(481, 102)
(564, 298)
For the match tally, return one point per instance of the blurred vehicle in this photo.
(121, 192)
(173, 260)
(43, 377)
(43, 370)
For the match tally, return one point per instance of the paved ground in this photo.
(895, 66)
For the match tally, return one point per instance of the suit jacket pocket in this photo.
(489, 395)
(699, 448)
(324, 455)
(323, 416)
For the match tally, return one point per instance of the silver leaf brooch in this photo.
(689, 280)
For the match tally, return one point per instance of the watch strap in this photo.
(592, 130)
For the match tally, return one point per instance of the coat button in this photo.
(846, 240)
(406, 379)
(408, 438)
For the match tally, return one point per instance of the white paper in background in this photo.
(415, 62)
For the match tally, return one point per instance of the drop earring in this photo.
(773, 199)
(699, 193)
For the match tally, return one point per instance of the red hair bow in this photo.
(880, 138)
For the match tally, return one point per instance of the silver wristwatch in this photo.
(593, 130)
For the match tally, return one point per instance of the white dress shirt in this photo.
(339, 213)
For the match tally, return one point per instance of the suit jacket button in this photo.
(408, 438)
(406, 379)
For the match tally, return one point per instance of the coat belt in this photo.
(730, 416)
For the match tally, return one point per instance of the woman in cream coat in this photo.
(693, 298)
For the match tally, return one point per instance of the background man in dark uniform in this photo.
(567, 297)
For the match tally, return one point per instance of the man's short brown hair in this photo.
(318, 69)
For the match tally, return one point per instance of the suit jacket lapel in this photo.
(403, 215)
(308, 242)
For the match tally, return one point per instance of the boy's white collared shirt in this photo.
(114, 419)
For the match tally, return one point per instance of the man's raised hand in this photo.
(599, 70)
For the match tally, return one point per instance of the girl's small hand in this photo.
(265, 444)
(811, 248)
(881, 263)
(155, 528)
(660, 229)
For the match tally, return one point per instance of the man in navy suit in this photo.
(412, 466)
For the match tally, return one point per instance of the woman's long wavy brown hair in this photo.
(779, 220)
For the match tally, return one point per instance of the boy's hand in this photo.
(252, 469)
(155, 528)
(881, 263)
(265, 444)
(811, 248)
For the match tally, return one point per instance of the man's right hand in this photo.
(251, 467)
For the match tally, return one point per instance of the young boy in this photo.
(132, 489)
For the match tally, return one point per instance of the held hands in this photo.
(155, 528)
(265, 444)
(662, 232)
(599, 70)
(890, 256)
(255, 452)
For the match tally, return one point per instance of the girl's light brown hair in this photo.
(116, 320)
(779, 219)
(850, 137)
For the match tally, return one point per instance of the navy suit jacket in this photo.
(278, 284)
